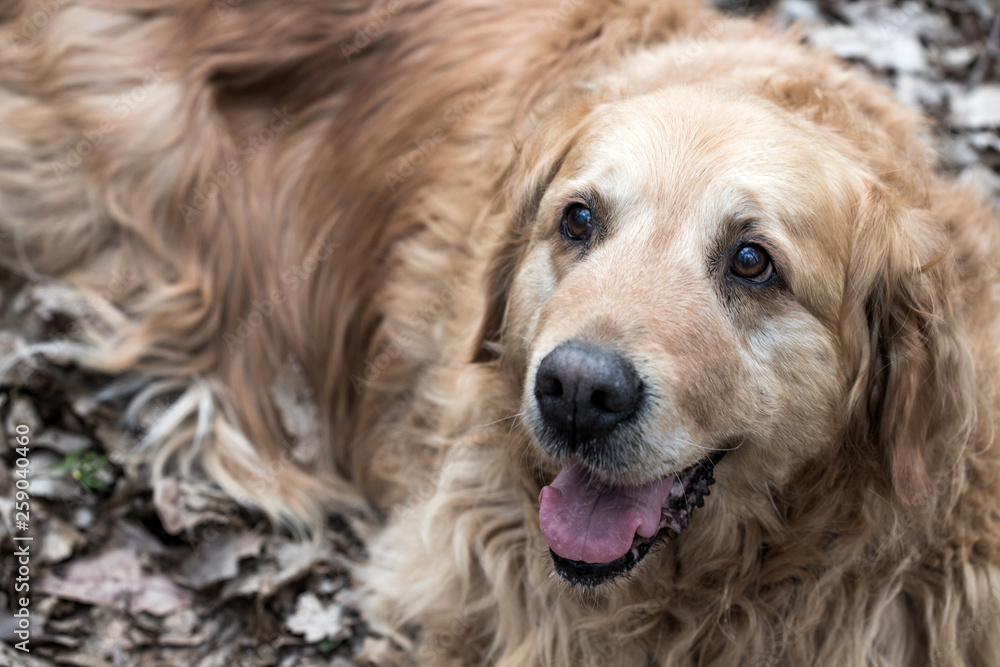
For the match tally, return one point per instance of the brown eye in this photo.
(577, 224)
(751, 262)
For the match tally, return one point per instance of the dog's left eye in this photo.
(577, 223)
(751, 262)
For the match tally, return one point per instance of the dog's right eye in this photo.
(577, 223)
(752, 263)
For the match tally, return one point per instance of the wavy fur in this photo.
(357, 187)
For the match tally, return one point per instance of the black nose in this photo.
(584, 391)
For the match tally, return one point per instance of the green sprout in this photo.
(87, 468)
(328, 645)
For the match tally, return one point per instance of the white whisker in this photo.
(502, 419)
(713, 449)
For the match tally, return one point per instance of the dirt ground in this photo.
(122, 576)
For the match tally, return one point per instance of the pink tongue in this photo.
(585, 521)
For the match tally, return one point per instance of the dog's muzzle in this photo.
(588, 399)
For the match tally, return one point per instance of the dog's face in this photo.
(679, 296)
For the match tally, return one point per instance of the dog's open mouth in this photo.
(596, 532)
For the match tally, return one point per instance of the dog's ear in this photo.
(914, 389)
(535, 165)
(497, 283)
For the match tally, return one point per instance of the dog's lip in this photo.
(674, 518)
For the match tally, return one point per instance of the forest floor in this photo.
(121, 576)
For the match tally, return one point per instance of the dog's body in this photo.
(457, 211)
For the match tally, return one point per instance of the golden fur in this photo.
(374, 191)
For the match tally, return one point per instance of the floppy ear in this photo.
(499, 276)
(914, 391)
(534, 167)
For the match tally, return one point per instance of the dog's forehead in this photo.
(693, 134)
(716, 154)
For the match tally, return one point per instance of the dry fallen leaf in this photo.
(60, 541)
(61, 441)
(188, 627)
(895, 49)
(182, 508)
(11, 657)
(114, 579)
(289, 562)
(296, 559)
(219, 560)
(317, 621)
(21, 413)
(978, 108)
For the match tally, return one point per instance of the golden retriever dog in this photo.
(653, 332)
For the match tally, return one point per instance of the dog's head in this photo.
(692, 274)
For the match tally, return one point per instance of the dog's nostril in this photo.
(600, 400)
(548, 385)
